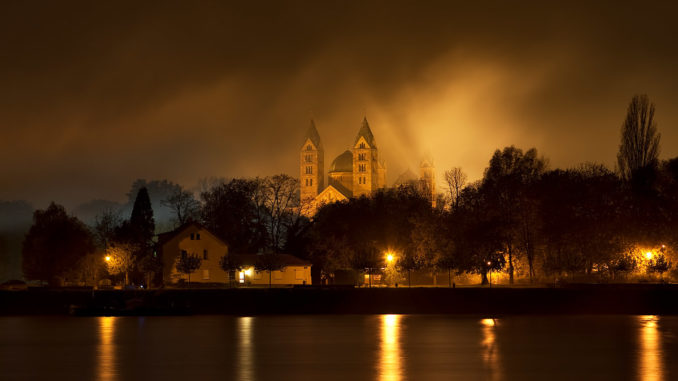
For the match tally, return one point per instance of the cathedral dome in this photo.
(343, 163)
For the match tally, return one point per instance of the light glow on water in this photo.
(389, 363)
(245, 349)
(106, 361)
(490, 352)
(650, 351)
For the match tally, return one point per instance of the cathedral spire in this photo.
(314, 136)
(366, 132)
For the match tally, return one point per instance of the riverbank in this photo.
(574, 299)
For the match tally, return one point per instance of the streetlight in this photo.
(108, 258)
(490, 270)
(389, 258)
(648, 255)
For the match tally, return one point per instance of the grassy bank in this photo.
(583, 299)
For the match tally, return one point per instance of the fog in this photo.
(98, 95)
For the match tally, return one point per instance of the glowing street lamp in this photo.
(389, 257)
(108, 258)
(490, 270)
(648, 255)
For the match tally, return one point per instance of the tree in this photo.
(409, 261)
(54, 244)
(90, 267)
(281, 205)
(639, 146)
(120, 259)
(187, 264)
(230, 265)
(506, 189)
(184, 206)
(269, 262)
(229, 210)
(138, 234)
(105, 226)
(456, 180)
(659, 264)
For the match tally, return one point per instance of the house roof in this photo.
(314, 136)
(286, 259)
(167, 236)
(366, 132)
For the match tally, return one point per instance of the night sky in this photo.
(96, 94)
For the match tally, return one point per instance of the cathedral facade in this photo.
(356, 172)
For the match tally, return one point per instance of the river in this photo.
(339, 347)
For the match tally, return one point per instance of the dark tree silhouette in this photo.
(639, 146)
(54, 245)
(230, 265)
(456, 180)
(229, 210)
(187, 264)
(506, 192)
(269, 262)
(184, 206)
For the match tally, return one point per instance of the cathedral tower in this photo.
(311, 165)
(365, 162)
(427, 177)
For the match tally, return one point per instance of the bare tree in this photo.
(639, 146)
(281, 204)
(183, 205)
(187, 264)
(455, 179)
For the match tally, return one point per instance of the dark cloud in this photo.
(96, 94)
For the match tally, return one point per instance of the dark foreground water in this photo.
(328, 347)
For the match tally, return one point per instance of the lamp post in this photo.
(489, 269)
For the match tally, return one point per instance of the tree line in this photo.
(521, 218)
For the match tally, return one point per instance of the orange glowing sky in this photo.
(97, 95)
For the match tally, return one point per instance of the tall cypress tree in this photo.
(141, 222)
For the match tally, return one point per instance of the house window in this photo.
(205, 274)
(309, 170)
(309, 158)
(204, 254)
(242, 277)
(192, 236)
(184, 254)
(309, 148)
(362, 167)
(197, 236)
(362, 145)
(361, 156)
(311, 182)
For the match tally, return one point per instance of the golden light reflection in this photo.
(489, 348)
(650, 351)
(389, 364)
(245, 350)
(106, 367)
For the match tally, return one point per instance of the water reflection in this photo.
(490, 351)
(650, 368)
(245, 349)
(389, 362)
(106, 367)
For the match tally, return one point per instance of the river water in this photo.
(335, 347)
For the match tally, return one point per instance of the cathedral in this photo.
(354, 173)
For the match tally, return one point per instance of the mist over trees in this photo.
(522, 220)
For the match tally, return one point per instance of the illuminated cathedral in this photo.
(356, 172)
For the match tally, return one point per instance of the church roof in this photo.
(343, 162)
(405, 178)
(366, 133)
(312, 133)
